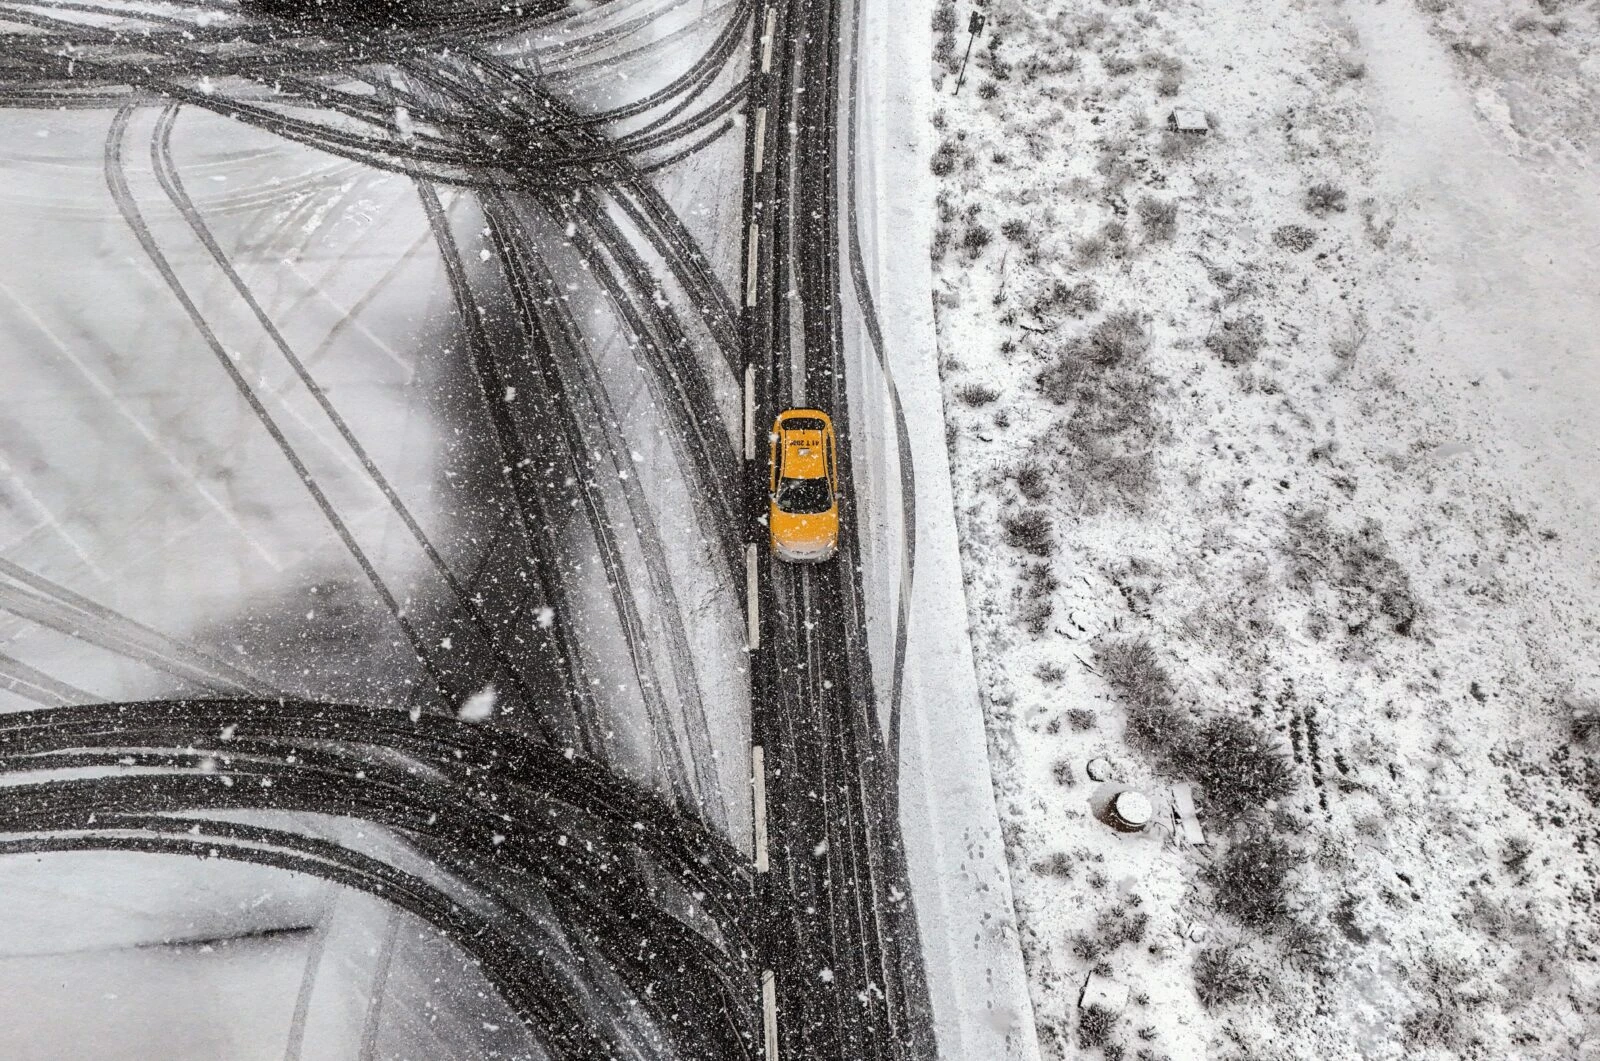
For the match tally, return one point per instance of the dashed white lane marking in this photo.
(750, 412)
(754, 245)
(766, 40)
(769, 1013)
(758, 778)
(752, 593)
(761, 137)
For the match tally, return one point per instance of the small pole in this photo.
(974, 27)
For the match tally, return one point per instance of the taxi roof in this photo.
(802, 434)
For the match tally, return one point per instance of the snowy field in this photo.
(188, 307)
(1275, 470)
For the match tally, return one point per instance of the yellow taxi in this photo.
(803, 515)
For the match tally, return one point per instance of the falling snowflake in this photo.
(479, 706)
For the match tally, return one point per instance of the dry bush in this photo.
(1112, 929)
(1175, 147)
(1095, 1025)
(1118, 65)
(1033, 479)
(1160, 219)
(1585, 714)
(1155, 723)
(976, 239)
(1110, 423)
(1169, 85)
(1015, 230)
(1090, 250)
(1250, 881)
(1223, 976)
(1118, 337)
(1036, 594)
(1078, 300)
(1081, 719)
(1084, 32)
(1296, 238)
(1444, 1020)
(1323, 199)
(1357, 565)
(1031, 531)
(1238, 341)
(1238, 764)
(944, 38)
(976, 394)
(944, 159)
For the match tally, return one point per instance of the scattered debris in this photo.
(1188, 822)
(1104, 993)
(1188, 120)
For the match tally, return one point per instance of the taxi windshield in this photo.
(804, 497)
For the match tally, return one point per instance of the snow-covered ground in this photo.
(1334, 461)
(910, 561)
(154, 542)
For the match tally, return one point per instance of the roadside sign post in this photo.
(974, 27)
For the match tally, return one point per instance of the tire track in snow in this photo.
(581, 380)
(167, 175)
(122, 194)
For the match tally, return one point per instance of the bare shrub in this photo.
(1585, 712)
(1238, 764)
(1112, 929)
(1081, 719)
(1033, 480)
(1031, 531)
(1118, 65)
(1036, 595)
(1514, 853)
(1107, 433)
(1443, 1021)
(1015, 230)
(1078, 300)
(1251, 880)
(1223, 976)
(1085, 31)
(1090, 250)
(1155, 724)
(1160, 218)
(1324, 199)
(976, 394)
(1296, 238)
(1239, 340)
(988, 90)
(1175, 147)
(943, 162)
(1117, 337)
(1035, 615)
(1095, 1025)
(1357, 565)
(1169, 85)
(976, 239)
